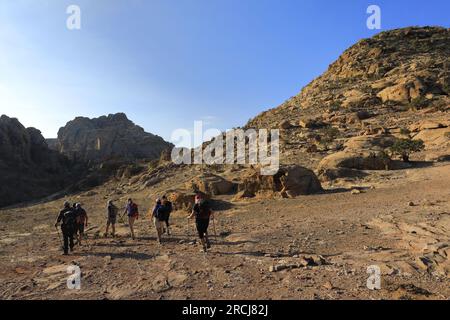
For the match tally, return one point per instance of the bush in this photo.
(329, 134)
(419, 103)
(405, 147)
(405, 132)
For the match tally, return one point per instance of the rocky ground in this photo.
(399, 220)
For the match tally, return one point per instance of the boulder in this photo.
(211, 184)
(297, 180)
(360, 153)
(428, 125)
(290, 181)
(404, 91)
(311, 123)
(285, 125)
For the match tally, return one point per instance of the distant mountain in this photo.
(112, 137)
(28, 168)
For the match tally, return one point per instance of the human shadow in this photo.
(121, 255)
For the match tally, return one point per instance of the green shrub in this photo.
(419, 103)
(404, 131)
(405, 147)
(328, 135)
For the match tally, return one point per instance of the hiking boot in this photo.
(208, 244)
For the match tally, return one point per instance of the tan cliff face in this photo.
(111, 137)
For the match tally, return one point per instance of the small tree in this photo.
(329, 134)
(404, 148)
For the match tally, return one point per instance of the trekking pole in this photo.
(59, 237)
(214, 226)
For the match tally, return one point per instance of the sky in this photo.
(168, 63)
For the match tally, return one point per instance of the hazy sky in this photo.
(167, 63)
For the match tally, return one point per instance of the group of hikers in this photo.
(73, 220)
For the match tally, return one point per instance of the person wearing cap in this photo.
(67, 218)
(111, 215)
(157, 221)
(202, 212)
(82, 221)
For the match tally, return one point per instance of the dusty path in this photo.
(332, 238)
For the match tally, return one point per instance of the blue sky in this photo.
(167, 63)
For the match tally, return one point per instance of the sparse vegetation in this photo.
(405, 132)
(328, 135)
(419, 103)
(405, 147)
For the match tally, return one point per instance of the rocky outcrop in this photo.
(211, 184)
(111, 137)
(360, 153)
(290, 182)
(378, 86)
(28, 168)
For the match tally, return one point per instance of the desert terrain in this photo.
(326, 240)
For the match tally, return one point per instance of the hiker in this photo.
(158, 219)
(167, 205)
(82, 221)
(133, 214)
(68, 226)
(202, 212)
(111, 214)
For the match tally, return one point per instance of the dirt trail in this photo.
(312, 247)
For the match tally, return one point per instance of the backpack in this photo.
(69, 219)
(134, 209)
(81, 215)
(163, 211)
(204, 210)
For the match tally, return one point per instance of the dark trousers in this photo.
(68, 239)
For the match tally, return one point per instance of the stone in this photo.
(211, 184)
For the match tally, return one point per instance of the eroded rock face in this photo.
(211, 184)
(360, 153)
(290, 182)
(108, 137)
(28, 168)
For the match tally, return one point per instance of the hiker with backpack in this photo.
(133, 214)
(161, 215)
(82, 221)
(111, 214)
(158, 219)
(67, 218)
(202, 213)
(167, 210)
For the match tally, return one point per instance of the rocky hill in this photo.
(28, 168)
(112, 137)
(396, 83)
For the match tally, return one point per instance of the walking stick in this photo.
(214, 225)
(59, 237)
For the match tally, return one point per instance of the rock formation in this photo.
(28, 168)
(111, 137)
